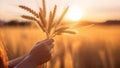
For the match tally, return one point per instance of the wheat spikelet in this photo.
(41, 26)
(50, 21)
(43, 20)
(61, 17)
(33, 19)
(61, 29)
(29, 17)
(63, 14)
(54, 12)
(70, 32)
(44, 8)
(29, 10)
(41, 12)
(51, 18)
(60, 32)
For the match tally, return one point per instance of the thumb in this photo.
(48, 42)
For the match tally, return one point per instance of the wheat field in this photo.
(94, 47)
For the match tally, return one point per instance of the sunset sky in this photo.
(93, 10)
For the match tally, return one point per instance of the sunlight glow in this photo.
(74, 13)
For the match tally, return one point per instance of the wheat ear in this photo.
(61, 17)
(44, 8)
(29, 10)
(33, 19)
(51, 18)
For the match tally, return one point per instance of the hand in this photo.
(41, 52)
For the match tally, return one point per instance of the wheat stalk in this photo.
(51, 27)
(54, 12)
(51, 19)
(61, 17)
(29, 17)
(44, 8)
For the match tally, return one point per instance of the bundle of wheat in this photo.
(50, 26)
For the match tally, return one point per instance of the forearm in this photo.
(23, 62)
(27, 62)
(14, 62)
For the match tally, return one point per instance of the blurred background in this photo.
(96, 45)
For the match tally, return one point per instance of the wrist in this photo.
(33, 60)
(36, 60)
(27, 62)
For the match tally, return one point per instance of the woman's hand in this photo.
(39, 54)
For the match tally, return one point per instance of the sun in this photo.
(74, 13)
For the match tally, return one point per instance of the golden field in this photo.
(93, 47)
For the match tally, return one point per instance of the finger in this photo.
(45, 58)
(49, 47)
(47, 42)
